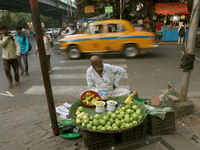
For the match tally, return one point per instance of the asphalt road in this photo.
(149, 74)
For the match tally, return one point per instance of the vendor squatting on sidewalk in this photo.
(101, 76)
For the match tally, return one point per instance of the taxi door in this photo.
(115, 40)
(96, 37)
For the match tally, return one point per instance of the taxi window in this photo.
(95, 29)
(114, 28)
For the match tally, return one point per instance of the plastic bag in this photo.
(66, 123)
(103, 94)
(171, 90)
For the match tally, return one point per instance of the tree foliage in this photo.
(12, 20)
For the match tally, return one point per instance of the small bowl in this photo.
(100, 108)
(111, 105)
(92, 92)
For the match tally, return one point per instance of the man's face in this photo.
(4, 31)
(19, 31)
(98, 66)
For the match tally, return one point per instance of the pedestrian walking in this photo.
(181, 33)
(55, 33)
(47, 45)
(81, 29)
(24, 44)
(153, 27)
(63, 32)
(159, 26)
(10, 54)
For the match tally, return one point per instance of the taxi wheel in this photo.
(131, 51)
(74, 52)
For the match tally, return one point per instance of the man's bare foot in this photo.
(10, 84)
(17, 83)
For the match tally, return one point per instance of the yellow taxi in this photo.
(108, 36)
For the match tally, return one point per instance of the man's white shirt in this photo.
(108, 79)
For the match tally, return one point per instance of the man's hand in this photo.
(25, 53)
(114, 87)
(36, 52)
(16, 56)
(9, 36)
(47, 37)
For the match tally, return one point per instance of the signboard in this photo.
(108, 9)
(89, 9)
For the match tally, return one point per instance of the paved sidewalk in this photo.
(29, 128)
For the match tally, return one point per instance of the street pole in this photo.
(71, 11)
(190, 48)
(68, 1)
(120, 9)
(62, 22)
(43, 64)
(8, 13)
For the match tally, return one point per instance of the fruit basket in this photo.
(91, 98)
(91, 112)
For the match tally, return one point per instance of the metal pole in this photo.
(8, 13)
(68, 1)
(62, 22)
(190, 48)
(120, 9)
(43, 64)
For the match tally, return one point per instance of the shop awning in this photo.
(85, 19)
(176, 8)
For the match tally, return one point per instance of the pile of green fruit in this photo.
(124, 117)
(89, 98)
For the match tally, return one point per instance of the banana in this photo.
(129, 98)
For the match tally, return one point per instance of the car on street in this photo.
(49, 31)
(109, 36)
(58, 30)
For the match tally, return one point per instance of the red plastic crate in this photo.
(159, 126)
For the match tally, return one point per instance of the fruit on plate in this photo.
(89, 98)
(124, 117)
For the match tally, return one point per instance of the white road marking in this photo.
(61, 90)
(79, 67)
(73, 76)
(81, 61)
(197, 58)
